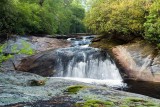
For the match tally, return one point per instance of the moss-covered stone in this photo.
(126, 102)
(74, 89)
(95, 103)
(138, 102)
(124, 106)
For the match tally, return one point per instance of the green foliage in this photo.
(152, 24)
(7, 16)
(4, 57)
(78, 14)
(125, 18)
(35, 17)
(122, 17)
(25, 49)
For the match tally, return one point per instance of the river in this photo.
(87, 64)
(83, 63)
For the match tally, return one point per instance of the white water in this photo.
(107, 82)
(86, 64)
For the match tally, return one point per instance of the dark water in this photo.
(143, 88)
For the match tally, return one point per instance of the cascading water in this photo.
(87, 64)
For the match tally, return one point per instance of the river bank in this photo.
(137, 59)
(22, 87)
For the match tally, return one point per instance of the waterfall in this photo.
(81, 61)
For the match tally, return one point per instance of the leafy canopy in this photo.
(41, 16)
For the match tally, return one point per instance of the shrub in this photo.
(118, 17)
(152, 24)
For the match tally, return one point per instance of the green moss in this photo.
(95, 103)
(127, 102)
(124, 106)
(74, 89)
(135, 100)
(4, 57)
(138, 102)
(151, 104)
(27, 49)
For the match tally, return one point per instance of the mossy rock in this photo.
(138, 102)
(127, 102)
(95, 103)
(74, 89)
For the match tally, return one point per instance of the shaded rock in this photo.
(139, 60)
(9, 65)
(106, 43)
(21, 47)
(41, 63)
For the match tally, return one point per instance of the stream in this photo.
(91, 65)
(86, 64)
(72, 66)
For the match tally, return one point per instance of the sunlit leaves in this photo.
(124, 17)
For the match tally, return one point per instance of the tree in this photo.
(117, 17)
(152, 24)
(7, 17)
(40, 16)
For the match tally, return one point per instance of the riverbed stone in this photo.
(15, 91)
(16, 44)
(139, 60)
(42, 63)
(44, 43)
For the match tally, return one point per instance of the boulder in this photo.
(139, 60)
(44, 43)
(41, 63)
(18, 47)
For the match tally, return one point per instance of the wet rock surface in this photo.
(43, 44)
(38, 44)
(15, 90)
(139, 60)
(19, 89)
(18, 46)
(42, 63)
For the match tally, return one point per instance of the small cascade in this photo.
(84, 62)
